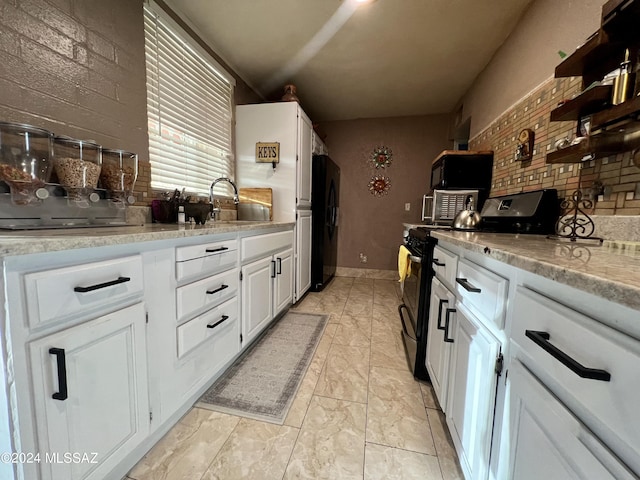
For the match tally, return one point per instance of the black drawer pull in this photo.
(273, 269)
(467, 286)
(447, 314)
(91, 288)
(438, 263)
(219, 289)
(542, 339)
(222, 319)
(279, 265)
(441, 302)
(214, 250)
(62, 393)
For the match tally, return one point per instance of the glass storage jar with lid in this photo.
(77, 164)
(25, 161)
(119, 173)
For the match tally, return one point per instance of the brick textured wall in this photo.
(618, 174)
(76, 68)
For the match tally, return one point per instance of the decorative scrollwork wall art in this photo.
(381, 157)
(379, 185)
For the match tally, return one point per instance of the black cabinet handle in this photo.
(279, 265)
(542, 340)
(273, 271)
(102, 285)
(62, 393)
(448, 312)
(219, 289)
(215, 324)
(467, 286)
(214, 250)
(438, 263)
(441, 302)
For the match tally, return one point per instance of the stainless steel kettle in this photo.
(467, 219)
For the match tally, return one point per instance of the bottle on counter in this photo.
(181, 219)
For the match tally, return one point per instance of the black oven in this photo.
(414, 310)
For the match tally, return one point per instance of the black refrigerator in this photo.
(325, 192)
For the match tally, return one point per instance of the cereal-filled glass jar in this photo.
(119, 173)
(77, 164)
(25, 161)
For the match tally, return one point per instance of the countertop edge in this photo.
(45, 241)
(627, 294)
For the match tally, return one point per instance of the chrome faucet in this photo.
(236, 200)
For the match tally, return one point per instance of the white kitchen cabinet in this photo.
(283, 285)
(548, 441)
(90, 393)
(266, 280)
(303, 253)
(472, 392)
(319, 147)
(257, 297)
(290, 178)
(441, 310)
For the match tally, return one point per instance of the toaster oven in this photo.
(441, 207)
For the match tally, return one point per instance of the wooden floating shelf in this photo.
(589, 101)
(616, 113)
(597, 54)
(593, 147)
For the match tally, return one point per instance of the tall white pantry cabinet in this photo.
(290, 179)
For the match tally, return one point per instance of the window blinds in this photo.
(189, 109)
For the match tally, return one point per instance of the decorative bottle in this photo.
(621, 91)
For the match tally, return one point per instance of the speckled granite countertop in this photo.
(38, 241)
(606, 272)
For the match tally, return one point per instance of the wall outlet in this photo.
(363, 258)
(407, 207)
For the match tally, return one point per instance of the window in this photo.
(189, 108)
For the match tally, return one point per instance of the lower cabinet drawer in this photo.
(260, 245)
(199, 260)
(483, 292)
(221, 323)
(195, 296)
(591, 367)
(53, 294)
(445, 265)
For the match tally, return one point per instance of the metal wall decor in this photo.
(524, 150)
(381, 157)
(379, 185)
(574, 223)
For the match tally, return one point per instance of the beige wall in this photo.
(529, 56)
(373, 225)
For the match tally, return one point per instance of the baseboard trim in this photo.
(367, 273)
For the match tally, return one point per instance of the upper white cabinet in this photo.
(319, 147)
(287, 124)
(284, 123)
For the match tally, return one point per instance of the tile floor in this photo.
(359, 413)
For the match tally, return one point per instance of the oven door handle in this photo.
(402, 320)
(415, 259)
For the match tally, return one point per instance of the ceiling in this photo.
(384, 59)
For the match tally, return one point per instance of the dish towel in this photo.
(404, 264)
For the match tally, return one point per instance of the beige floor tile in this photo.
(186, 451)
(331, 442)
(345, 374)
(363, 281)
(354, 331)
(441, 436)
(386, 463)
(254, 450)
(330, 303)
(358, 305)
(308, 304)
(396, 416)
(389, 354)
(428, 396)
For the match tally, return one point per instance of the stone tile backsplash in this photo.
(618, 175)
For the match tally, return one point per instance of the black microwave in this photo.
(462, 169)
